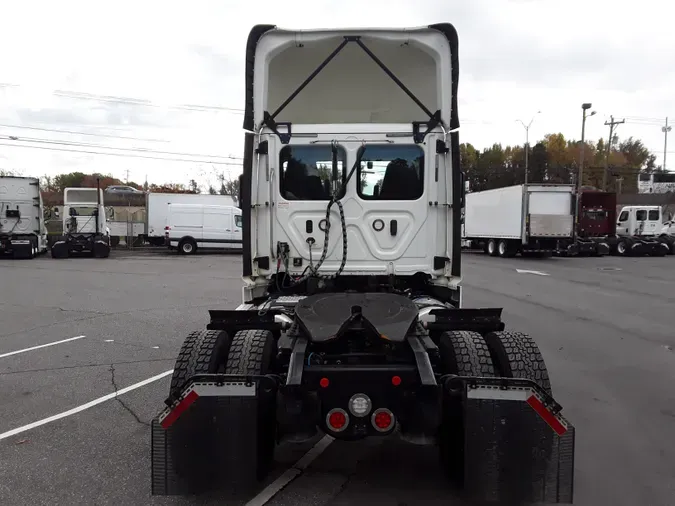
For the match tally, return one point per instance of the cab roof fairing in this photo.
(352, 87)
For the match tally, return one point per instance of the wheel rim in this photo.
(187, 247)
(491, 247)
(621, 247)
(502, 248)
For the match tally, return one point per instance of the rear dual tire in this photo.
(501, 248)
(503, 353)
(245, 433)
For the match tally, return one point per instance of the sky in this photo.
(164, 80)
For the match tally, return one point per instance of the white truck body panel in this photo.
(501, 213)
(22, 194)
(126, 229)
(494, 213)
(384, 235)
(157, 207)
(551, 210)
(212, 227)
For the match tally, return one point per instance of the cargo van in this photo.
(191, 227)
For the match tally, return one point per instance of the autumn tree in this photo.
(194, 187)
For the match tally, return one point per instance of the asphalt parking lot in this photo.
(604, 325)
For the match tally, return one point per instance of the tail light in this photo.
(382, 419)
(337, 420)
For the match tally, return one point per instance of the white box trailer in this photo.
(23, 233)
(157, 209)
(519, 219)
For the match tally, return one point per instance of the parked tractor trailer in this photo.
(23, 232)
(633, 231)
(352, 322)
(526, 219)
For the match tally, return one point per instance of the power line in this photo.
(101, 146)
(118, 154)
(134, 101)
(55, 130)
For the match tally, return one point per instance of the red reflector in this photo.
(396, 381)
(548, 417)
(324, 382)
(179, 409)
(383, 420)
(337, 420)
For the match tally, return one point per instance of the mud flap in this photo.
(196, 440)
(517, 451)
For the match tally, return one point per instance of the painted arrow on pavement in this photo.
(524, 271)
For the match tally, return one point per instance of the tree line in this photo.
(555, 159)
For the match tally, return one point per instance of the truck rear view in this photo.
(351, 322)
(84, 225)
(23, 233)
(521, 219)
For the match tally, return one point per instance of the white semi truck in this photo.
(525, 219)
(351, 322)
(23, 233)
(84, 224)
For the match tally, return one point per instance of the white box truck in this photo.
(156, 206)
(23, 233)
(521, 219)
(190, 227)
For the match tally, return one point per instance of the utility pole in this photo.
(127, 176)
(665, 131)
(609, 149)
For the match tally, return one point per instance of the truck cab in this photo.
(23, 232)
(639, 221)
(85, 228)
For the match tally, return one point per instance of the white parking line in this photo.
(88, 405)
(266, 494)
(40, 346)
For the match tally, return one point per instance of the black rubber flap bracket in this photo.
(511, 456)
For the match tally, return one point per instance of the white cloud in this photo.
(516, 57)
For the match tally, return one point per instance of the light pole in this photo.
(584, 107)
(527, 143)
